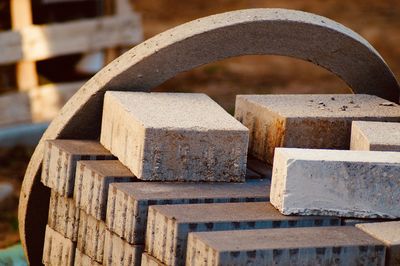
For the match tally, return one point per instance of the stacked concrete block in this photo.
(148, 260)
(119, 252)
(292, 246)
(375, 136)
(128, 202)
(60, 158)
(91, 236)
(63, 216)
(58, 250)
(168, 226)
(389, 234)
(361, 184)
(92, 181)
(82, 259)
(174, 136)
(307, 121)
(259, 167)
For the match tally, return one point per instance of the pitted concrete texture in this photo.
(60, 158)
(118, 252)
(388, 233)
(128, 202)
(82, 259)
(174, 136)
(363, 184)
(291, 246)
(57, 249)
(92, 181)
(148, 260)
(375, 136)
(307, 121)
(168, 226)
(91, 236)
(63, 216)
(205, 40)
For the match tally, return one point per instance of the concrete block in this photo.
(92, 181)
(81, 259)
(389, 234)
(174, 136)
(57, 249)
(364, 184)
(128, 202)
(168, 226)
(118, 252)
(63, 216)
(59, 162)
(148, 260)
(260, 167)
(91, 236)
(306, 121)
(290, 246)
(375, 136)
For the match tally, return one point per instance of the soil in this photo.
(377, 21)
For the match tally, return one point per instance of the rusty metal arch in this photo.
(244, 32)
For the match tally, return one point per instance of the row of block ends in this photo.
(188, 137)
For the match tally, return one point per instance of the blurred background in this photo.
(25, 109)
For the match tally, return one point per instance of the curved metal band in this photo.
(246, 32)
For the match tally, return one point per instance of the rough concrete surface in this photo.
(306, 121)
(174, 136)
(63, 216)
(375, 136)
(60, 158)
(388, 233)
(168, 226)
(148, 260)
(128, 202)
(292, 246)
(92, 181)
(91, 235)
(364, 184)
(243, 32)
(118, 252)
(81, 259)
(57, 249)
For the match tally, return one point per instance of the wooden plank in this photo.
(47, 101)
(21, 17)
(38, 105)
(40, 42)
(14, 109)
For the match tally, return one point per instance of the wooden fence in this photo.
(26, 43)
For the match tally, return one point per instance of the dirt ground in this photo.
(377, 21)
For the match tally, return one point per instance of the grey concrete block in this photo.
(389, 234)
(57, 249)
(63, 216)
(168, 226)
(174, 136)
(306, 121)
(375, 136)
(361, 184)
(292, 246)
(81, 259)
(92, 181)
(91, 236)
(59, 162)
(128, 202)
(118, 252)
(148, 260)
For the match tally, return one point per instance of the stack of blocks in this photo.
(100, 214)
